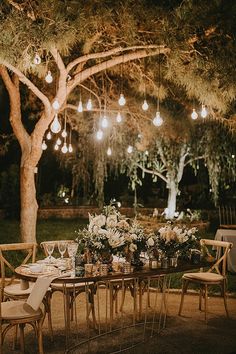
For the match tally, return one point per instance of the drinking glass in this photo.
(50, 249)
(72, 250)
(62, 248)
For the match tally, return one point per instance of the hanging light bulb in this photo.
(104, 122)
(203, 111)
(56, 104)
(58, 142)
(49, 135)
(55, 126)
(44, 145)
(109, 152)
(194, 114)
(130, 149)
(119, 118)
(89, 105)
(146, 153)
(157, 120)
(99, 134)
(37, 59)
(64, 133)
(70, 148)
(48, 77)
(56, 147)
(122, 100)
(64, 148)
(145, 105)
(80, 107)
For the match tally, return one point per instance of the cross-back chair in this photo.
(215, 275)
(227, 217)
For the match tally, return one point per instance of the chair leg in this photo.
(206, 302)
(22, 339)
(40, 337)
(200, 299)
(184, 290)
(225, 297)
(47, 305)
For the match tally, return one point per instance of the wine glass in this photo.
(72, 250)
(62, 248)
(50, 249)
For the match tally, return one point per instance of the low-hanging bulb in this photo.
(119, 118)
(109, 152)
(55, 126)
(49, 136)
(48, 77)
(56, 147)
(80, 107)
(157, 120)
(56, 104)
(104, 122)
(64, 148)
(130, 149)
(203, 111)
(145, 105)
(89, 105)
(64, 133)
(37, 59)
(122, 100)
(58, 142)
(44, 145)
(99, 134)
(70, 148)
(194, 114)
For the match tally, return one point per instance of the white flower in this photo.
(150, 242)
(133, 247)
(115, 239)
(99, 220)
(122, 224)
(133, 237)
(111, 221)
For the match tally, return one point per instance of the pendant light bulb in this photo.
(37, 59)
(119, 118)
(64, 148)
(122, 100)
(145, 105)
(49, 136)
(130, 149)
(194, 114)
(70, 148)
(203, 111)
(56, 147)
(89, 105)
(44, 145)
(104, 122)
(55, 126)
(64, 133)
(58, 142)
(56, 104)
(99, 134)
(80, 107)
(109, 152)
(48, 77)
(157, 121)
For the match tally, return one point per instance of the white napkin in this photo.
(39, 290)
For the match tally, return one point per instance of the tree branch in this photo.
(195, 159)
(144, 169)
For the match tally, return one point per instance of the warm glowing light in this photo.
(89, 105)
(203, 112)
(37, 59)
(44, 145)
(146, 153)
(49, 135)
(104, 122)
(109, 152)
(233, 156)
(99, 134)
(48, 77)
(119, 118)
(56, 147)
(64, 148)
(55, 126)
(56, 104)
(70, 148)
(58, 142)
(130, 149)
(80, 107)
(145, 105)
(64, 133)
(122, 100)
(194, 114)
(157, 121)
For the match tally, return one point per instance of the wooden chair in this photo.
(227, 217)
(15, 289)
(216, 275)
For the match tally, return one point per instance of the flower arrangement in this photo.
(172, 239)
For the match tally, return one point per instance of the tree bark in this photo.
(172, 194)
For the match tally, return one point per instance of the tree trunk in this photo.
(29, 205)
(172, 194)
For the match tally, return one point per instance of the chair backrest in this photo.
(222, 248)
(227, 215)
(43, 244)
(13, 255)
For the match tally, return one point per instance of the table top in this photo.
(225, 232)
(23, 272)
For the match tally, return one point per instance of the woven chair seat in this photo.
(204, 276)
(16, 310)
(15, 290)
